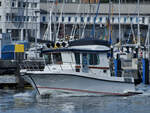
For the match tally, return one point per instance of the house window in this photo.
(13, 4)
(113, 19)
(75, 19)
(100, 19)
(131, 18)
(34, 5)
(16, 18)
(137, 19)
(44, 19)
(63, 19)
(24, 4)
(88, 19)
(82, 19)
(69, 19)
(19, 4)
(125, 19)
(56, 18)
(0, 3)
(143, 20)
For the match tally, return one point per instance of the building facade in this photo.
(26, 19)
(21, 18)
(70, 13)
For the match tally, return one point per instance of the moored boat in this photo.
(81, 68)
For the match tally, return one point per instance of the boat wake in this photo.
(145, 89)
(25, 95)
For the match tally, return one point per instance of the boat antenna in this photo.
(93, 29)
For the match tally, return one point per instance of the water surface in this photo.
(27, 102)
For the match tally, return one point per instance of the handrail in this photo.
(30, 65)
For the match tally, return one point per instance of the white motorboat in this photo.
(81, 68)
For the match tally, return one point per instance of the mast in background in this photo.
(109, 16)
(120, 39)
(138, 40)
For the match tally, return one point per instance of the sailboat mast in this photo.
(119, 24)
(148, 40)
(50, 27)
(109, 19)
(93, 29)
(139, 40)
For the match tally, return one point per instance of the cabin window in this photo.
(57, 58)
(84, 59)
(93, 59)
(77, 58)
(47, 58)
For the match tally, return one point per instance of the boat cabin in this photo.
(80, 58)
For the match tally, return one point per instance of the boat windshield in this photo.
(48, 59)
(57, 59)
(93, 59)
(54, 58)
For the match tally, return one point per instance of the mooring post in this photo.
(19, 56)
(145, 77)
(117, 64)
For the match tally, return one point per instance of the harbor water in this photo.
(12, 101)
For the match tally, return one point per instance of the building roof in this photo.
(104, 8)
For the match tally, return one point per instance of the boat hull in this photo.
(74, 84)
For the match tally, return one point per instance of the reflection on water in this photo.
(27, 102)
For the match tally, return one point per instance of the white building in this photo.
(21, 18)
(84, 13)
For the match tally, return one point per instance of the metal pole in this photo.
(148, 39)
(119, 24)
(109, 18)
(50, 26)
(36, 35)
(139, 41)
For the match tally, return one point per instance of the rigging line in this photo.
(138, 15)
(132, 31)
(147, 36)
(83, 32)
(60, 18)
(110, 26)
(93, 29)
(75, 26)
(45, 37)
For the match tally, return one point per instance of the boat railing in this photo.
(68, 66)
(37, 65)
(62, 66)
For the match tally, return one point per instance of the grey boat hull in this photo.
(78, 85)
